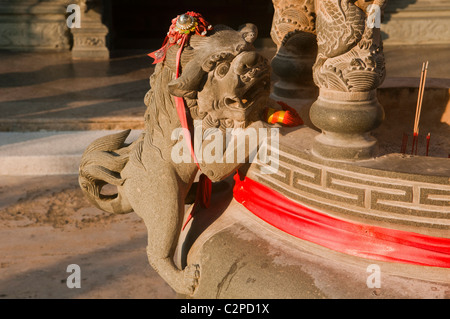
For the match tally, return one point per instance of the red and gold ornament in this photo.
(180, 31)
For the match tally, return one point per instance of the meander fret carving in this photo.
(360, 194)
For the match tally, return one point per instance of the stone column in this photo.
(348, 70)
(89, 41)
(294, 34)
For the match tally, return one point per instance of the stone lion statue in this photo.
(225, 85)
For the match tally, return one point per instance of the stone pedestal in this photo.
(293, 66)
(89, 41)
(348, 70)
(30, 25)
(346, 120)
(293, 33)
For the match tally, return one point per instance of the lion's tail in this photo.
(101, 164)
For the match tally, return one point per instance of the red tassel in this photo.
(160, 55)
(204, 195)
(204, 189)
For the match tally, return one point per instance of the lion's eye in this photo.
(223, 69)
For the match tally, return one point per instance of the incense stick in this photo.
(418, 96)
(417, 108)
(421, 96)
(423, 77)
(404, 143)
(428, 143)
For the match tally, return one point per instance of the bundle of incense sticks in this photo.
(423, 79)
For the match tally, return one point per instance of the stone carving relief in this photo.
(357, 194)
(349, 68)
(291, 17)
(225, 84)
(350, 56)
(90, 41)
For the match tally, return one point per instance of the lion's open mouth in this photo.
(259, 87)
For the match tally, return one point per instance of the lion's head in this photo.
(224, 81)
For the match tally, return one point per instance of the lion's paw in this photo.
(191, 277)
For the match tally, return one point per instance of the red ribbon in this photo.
(356, 239)
(176, 36)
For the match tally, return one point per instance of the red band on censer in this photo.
(361, 240)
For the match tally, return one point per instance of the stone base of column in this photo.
(346, 120)
(345, 146)
(293, 66)
(291, 70)
(89, 41)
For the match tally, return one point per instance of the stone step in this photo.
(71, 124)
(47, 153)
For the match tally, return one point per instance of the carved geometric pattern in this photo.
(381, 197)
(433, 196)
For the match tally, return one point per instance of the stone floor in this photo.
(46, 224)
(38, 88)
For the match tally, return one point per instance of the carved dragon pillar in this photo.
(348, 69)
(293, 32)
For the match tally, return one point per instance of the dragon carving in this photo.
(350, 56)
(292, 17)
